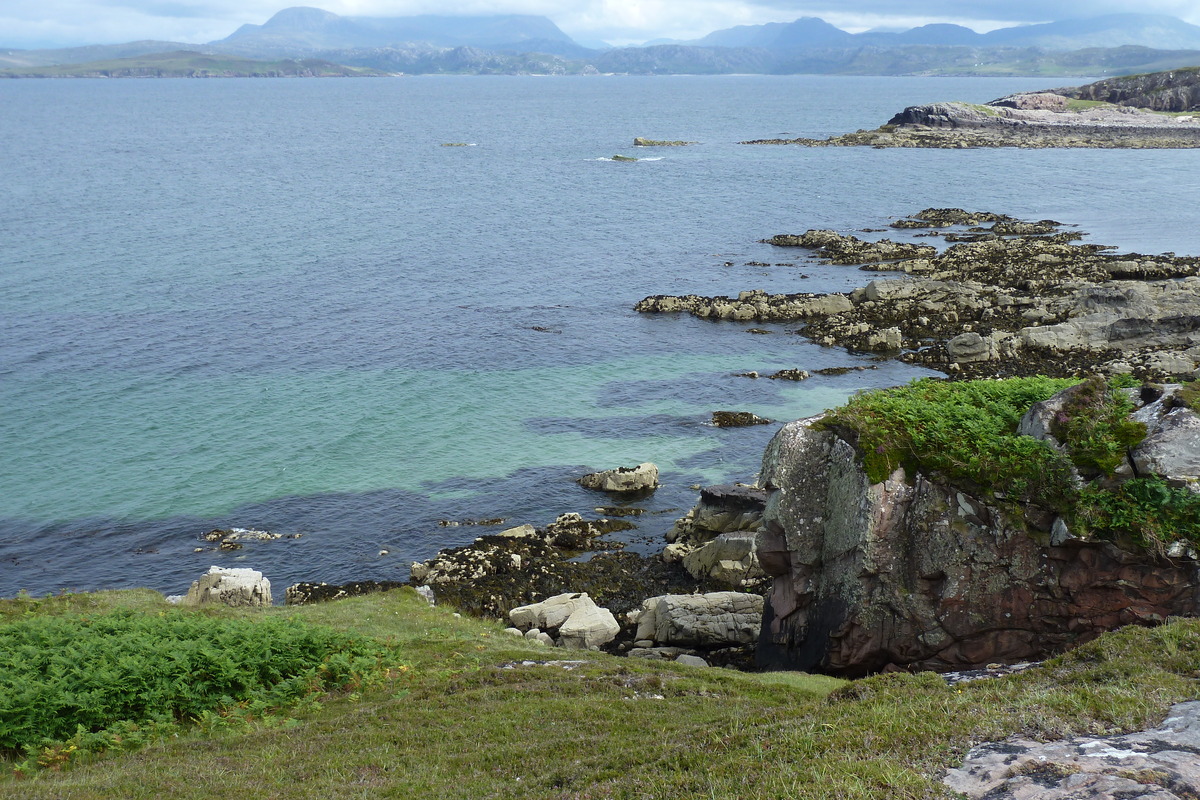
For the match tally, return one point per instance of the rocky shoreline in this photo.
(1143, 112)
(1006, 298)
(1002, 297)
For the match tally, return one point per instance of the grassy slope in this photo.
(455, 724)
(185, 63)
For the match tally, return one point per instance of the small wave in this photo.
(629, 160)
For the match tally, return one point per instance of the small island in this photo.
(1159, 110)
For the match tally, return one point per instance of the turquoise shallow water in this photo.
(283, 304)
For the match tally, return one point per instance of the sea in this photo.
(288, 305)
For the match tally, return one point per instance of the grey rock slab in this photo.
(1162, 763)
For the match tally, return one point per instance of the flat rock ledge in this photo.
(1158, 764)
(1006, 297)
(1096, 116)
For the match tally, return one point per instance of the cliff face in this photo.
(907, 572)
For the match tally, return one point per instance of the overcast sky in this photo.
(55, 23)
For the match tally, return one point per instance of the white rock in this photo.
(716, 619)
(623, 479)
(231, 587)
(550, 613)
(588, 628)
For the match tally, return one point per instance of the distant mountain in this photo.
(1111, 30)
(804, 32)
(311, 30)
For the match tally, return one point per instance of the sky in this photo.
(66, 23)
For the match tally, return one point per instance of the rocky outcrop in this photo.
(623, 480)
(1017, 298)
(230, 587)
(752, 305)
(638, 141)
(1124, 113)
(910, 572)
(1158, 764)
(714, 540)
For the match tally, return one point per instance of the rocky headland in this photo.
(1158, 110)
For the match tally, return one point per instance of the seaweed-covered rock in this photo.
(1022, 298)
(305, 593)
(737, 419)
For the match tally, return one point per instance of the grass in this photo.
(458, 723)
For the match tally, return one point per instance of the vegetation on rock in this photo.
(965, 433)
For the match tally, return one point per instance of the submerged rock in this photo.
(737, 419)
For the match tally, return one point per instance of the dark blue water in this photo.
(284, 304)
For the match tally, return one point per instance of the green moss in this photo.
(1189, 395)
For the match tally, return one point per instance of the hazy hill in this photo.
(1110, 30)
(311, 30)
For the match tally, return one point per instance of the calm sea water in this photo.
(283, 304)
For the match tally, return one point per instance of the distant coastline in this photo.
(191, 64)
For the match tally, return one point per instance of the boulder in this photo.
(588, 628)
(580, 623)
(551, 613)
(641, 478)
(230, 587)
(1172, 444)
(724, 508)
(716, 619)
(729, 559)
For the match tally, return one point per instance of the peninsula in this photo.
(1157, 110)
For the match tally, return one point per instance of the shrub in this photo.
(1149, 510)
(63, 677)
